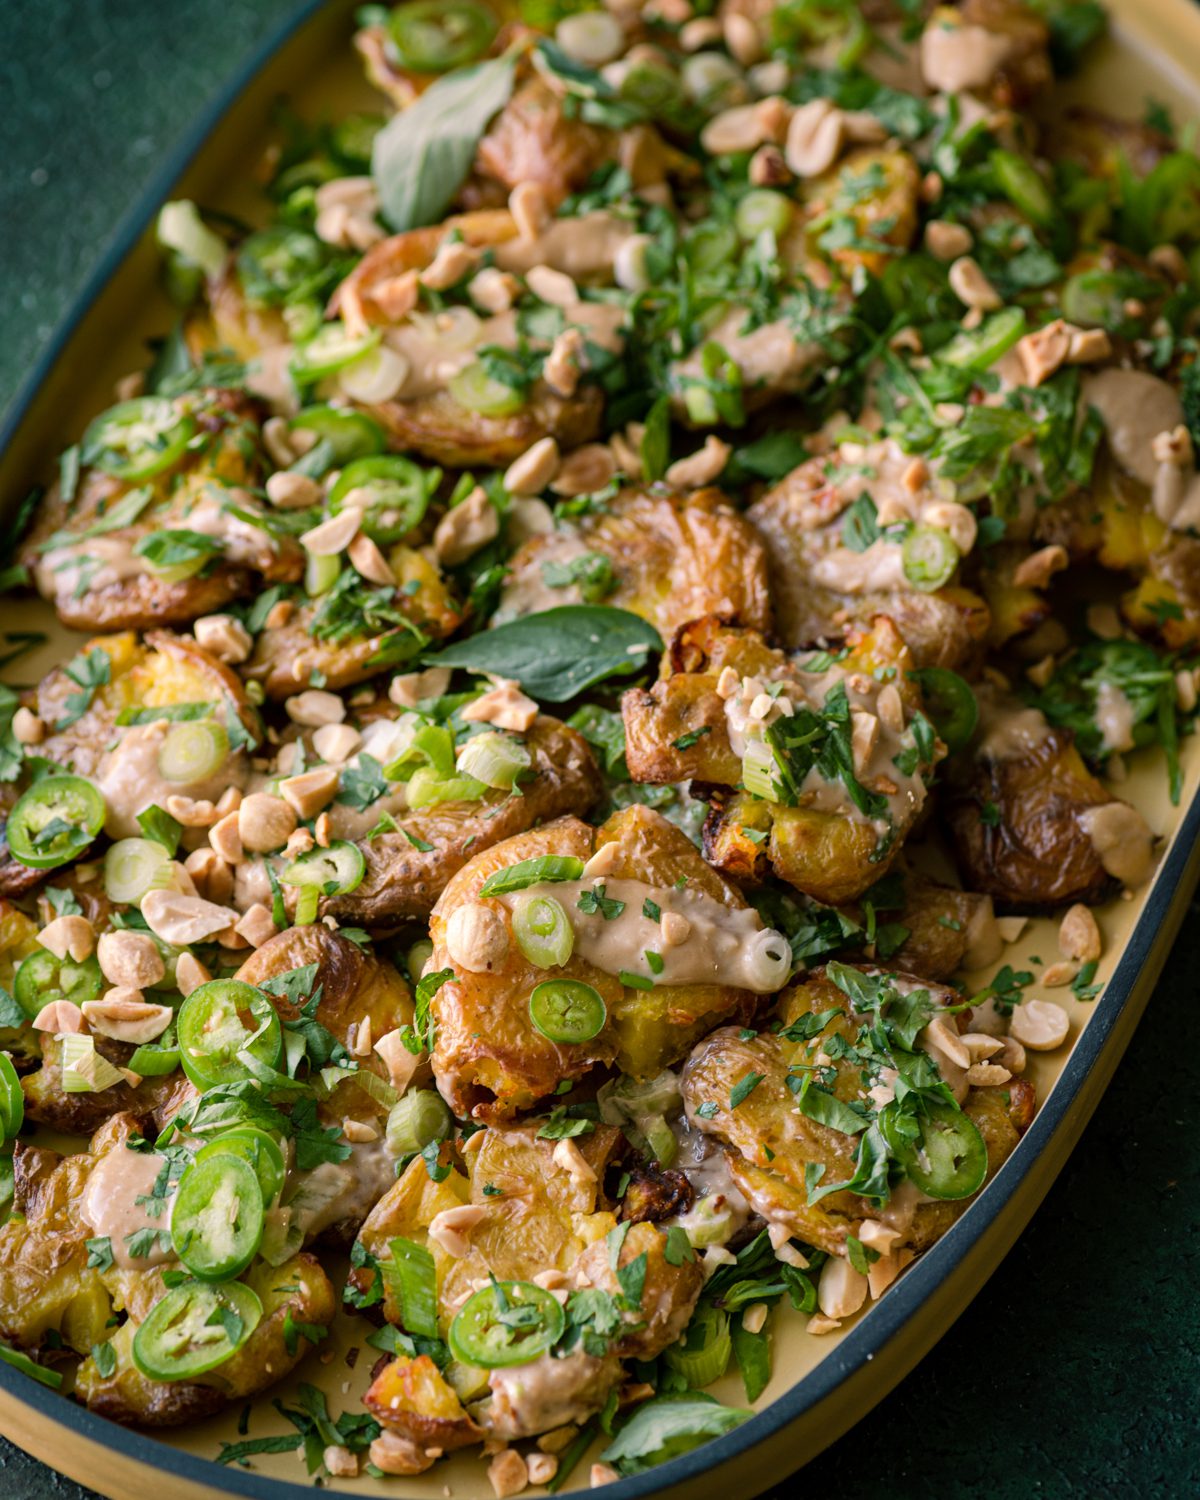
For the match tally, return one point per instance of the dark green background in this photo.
(1076, 1371)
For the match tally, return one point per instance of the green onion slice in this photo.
(543, 930)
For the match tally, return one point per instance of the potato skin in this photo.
(356, 985)
(489, 1059)
(1036, 856)
(942, 629)
(769, 1142)
(404, 881)
(230, 458)
(675, 557)
(299, 1286)
(287, 657)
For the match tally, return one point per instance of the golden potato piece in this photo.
(1015, 811)
(428, 420)
(87, 568)
(489, 1058)
(411, 1397)
(674, 557)
(46, 1285)
(404, 879)
(536, 1218)
(875, 188)
(299, 1288)
(159, 670)
(86, 736)
(771, 1142)
(680, 728)
(818, 586)
(311, 644)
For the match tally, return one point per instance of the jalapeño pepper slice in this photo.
(395, 493)
(216, 1022)
(44, 978)
(217, 1220)
(137, 439)
(506, 1323)
(195, 1328)
(54, 821)
(433, 36)
(351, 434)
(567, 1010)
(948, 1159)
(258, 1148)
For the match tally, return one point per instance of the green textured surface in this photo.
(1075, 1372)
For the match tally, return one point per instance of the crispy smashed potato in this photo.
(88, 567)
(672, 557)
(404, 878)
(1027, 820)
(489, 1058)
(770, 1142)
(680, 729)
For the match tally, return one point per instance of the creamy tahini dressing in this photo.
(1122, 840)
(1134, 408)
(584, 247)
(337, 1190)
(129, 780)
(439, 347)
(110, 1206)
(769, 356)
(527, 593)
(98, 562)
(724, 945)
(1007, 729)
(877, 470)
(241, 541)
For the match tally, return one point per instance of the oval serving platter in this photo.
(819, 1387)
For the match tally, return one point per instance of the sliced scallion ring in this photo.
(929, 557)
(329, 349)
(763, 209)
(135, 867)
(419, 1117)
(543, 930)
(494, 758)
(426, 788)
(193, 751)
(335, 871)
(478, 391)
(702, 1354)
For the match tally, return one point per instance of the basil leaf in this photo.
(666, 1427)
(421, 157)
(558, 653)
